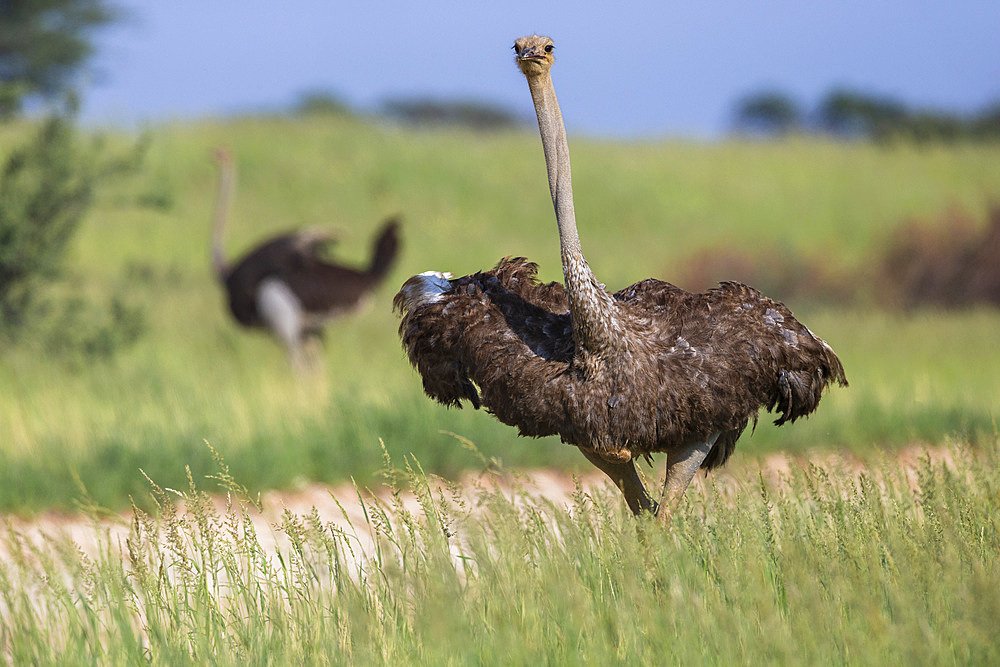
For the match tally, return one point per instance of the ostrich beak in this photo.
(530, 53)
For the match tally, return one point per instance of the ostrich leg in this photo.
(682, 464)
(627, 480)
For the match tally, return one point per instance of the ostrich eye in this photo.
(548, 48)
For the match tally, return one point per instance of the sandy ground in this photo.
(342, 507)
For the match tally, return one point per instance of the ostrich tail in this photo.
(426, 287)
(385, 249)
(798, 392)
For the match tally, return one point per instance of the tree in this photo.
(770, 113)
(43, 45)
(986, 124)
(850, 114)
(319, 103)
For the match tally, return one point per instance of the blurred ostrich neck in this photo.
(227, 181)
(592, 310)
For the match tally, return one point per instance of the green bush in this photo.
(46, 188)
(43, 196)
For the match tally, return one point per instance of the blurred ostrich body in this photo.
(283, 284)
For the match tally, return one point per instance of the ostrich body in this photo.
(284, 284)
(651, 368)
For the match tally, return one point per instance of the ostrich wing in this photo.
(730, 352)
(484, 329)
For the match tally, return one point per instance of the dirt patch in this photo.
(345, 507)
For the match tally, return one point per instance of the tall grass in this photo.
(467, 200)
(816, 567)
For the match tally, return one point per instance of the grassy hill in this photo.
(467, 200)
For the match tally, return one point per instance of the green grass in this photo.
(819, 567)
(467, 200)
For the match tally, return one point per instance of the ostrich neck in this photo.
(227, 181)
(592, 310)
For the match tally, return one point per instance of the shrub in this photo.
(46, 187)
(42, 198)
(780, 274)
(951, 263)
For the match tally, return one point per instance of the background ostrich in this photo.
(651, 368)
(284, 284)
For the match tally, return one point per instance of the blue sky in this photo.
(635, 69)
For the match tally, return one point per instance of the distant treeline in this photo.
(842, 114)
(850, 114)
(420, 111)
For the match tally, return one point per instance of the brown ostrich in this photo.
(651, 368)
(284, 284)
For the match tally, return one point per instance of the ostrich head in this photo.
(534, 54)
